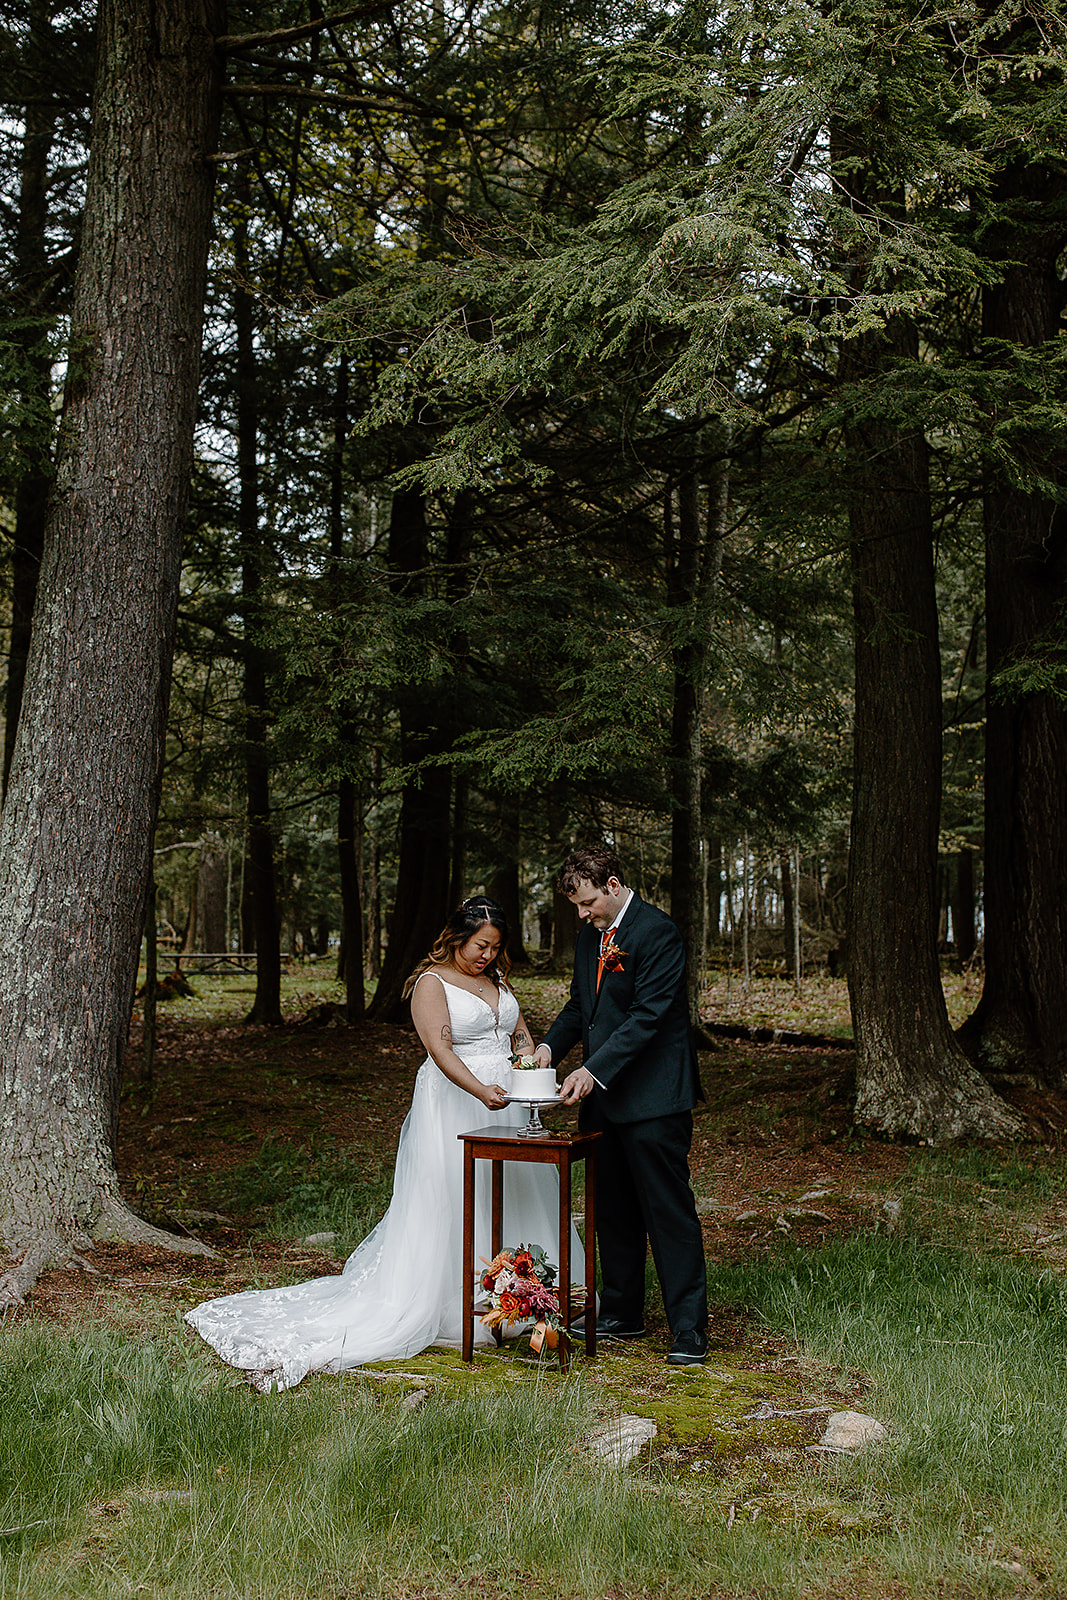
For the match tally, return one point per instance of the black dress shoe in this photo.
(689, 1349)
(610, 1328)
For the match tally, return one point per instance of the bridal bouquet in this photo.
(519, 1285)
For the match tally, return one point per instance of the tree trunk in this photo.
(789, 939)
(35, 433)
(457, 878)
(1020, 1024)
(421, 904)
(151, 981)
(351, 911)
(189, 939)
(503, 886)
(964, 922)
(911, 1076)
(564, 916)
(694, 563)
(76, 840)
(715, 889)
(260, 885)
(372, 893)
(349, 821)
(211, 896)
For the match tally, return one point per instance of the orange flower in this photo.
(611, 957)
(498, 1263)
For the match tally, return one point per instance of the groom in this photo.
(637, 1086)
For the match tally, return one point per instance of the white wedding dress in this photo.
(401, 1289)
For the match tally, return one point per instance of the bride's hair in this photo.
(461, 926)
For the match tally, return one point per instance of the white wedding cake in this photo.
(532, 1083)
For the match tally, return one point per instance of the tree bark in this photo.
(457, 876)
(789, 939)
(964, 922)
(77, 829)
(560, 843)
(349, 820)
(211, 896)
(692, 578)
(912, 1078)
(372, 892)
(421, 903)
(503, 887)
(260, 885)
(35, 434)
(351, 956)
(1020, 1023)
(714, 889)
(151, 982)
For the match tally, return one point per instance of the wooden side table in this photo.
(560, 1150)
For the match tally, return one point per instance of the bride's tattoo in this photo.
(522, 1037)
(446, 1034)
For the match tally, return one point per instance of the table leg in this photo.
(564, 1253)
(468, 1253)
(590, 1252)
(496, 1235)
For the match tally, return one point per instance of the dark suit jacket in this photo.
(635, 1033)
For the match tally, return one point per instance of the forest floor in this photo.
(775, 1124)
(248, 1136)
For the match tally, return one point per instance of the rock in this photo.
(412, 1401)
(620, 1439)
(319, 1241)
(748, 1216)
(850, 1430)
(807, 1214)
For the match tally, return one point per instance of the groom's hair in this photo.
(593, 863)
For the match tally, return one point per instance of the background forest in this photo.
(613, 420)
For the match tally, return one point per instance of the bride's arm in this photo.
(521, 1040)
(429, 1013)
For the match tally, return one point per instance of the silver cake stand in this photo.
(534, 1128)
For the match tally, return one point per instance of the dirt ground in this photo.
(774, 1153)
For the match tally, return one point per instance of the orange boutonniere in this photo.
(611, 957)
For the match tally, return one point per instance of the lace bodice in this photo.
(481, 1036)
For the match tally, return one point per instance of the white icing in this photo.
(534, 1083)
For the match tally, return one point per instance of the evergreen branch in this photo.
(230, 42)
(285, 91)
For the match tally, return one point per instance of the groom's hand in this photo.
(543, 1056)
(576, 1086)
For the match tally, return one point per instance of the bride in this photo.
(401, 1289)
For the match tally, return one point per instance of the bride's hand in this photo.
(494, 1098)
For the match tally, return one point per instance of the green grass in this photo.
(126, 1472)
(967, 1362)
(226, 998)
(134, 1464)
(299, 1191)
(144, 1467)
